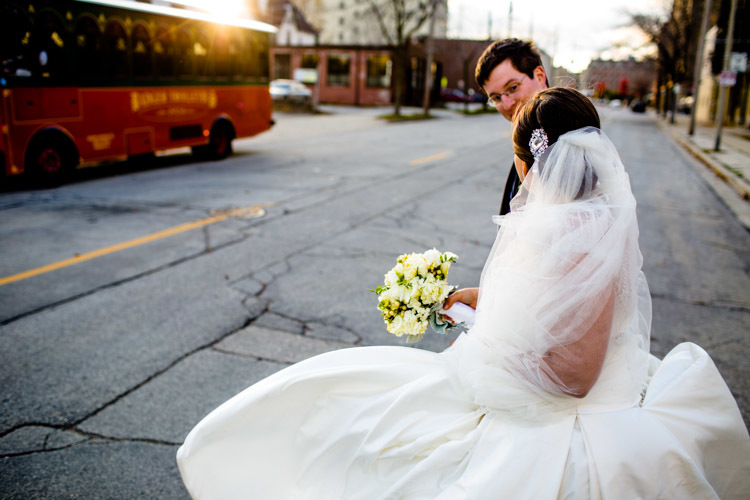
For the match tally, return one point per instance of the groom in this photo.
(510, 72)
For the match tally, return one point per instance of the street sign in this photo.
(738, 62)
(728, 78)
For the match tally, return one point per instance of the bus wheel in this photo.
(49, 162)
(220, 141)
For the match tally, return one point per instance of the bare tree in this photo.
(399, 20)
(676, 38)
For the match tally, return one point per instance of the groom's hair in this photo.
(524, 56)
(556, 110)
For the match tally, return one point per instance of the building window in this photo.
(281, 66)
(309, 61)
(379, 71)
(338, 70)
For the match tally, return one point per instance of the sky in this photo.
(572, 32)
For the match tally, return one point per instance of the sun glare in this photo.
(220, 8)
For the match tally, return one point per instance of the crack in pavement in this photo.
(87, 436)
(740, 307)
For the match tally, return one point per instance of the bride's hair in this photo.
(556, 110)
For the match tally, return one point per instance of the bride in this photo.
(551, 394)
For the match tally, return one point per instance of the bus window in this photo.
(16, 55)
(141, 52)
(184, 52)
(164, 52)
(200, 50)
(243, 57)
(88, 47)
(115, 50)
(262, 51)
(220, 54)
(234, 50)
(49, 44)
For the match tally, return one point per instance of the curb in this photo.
(723, 173)
(741, 187)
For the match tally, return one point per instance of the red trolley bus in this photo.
(84, 81)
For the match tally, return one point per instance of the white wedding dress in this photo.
(492, 417)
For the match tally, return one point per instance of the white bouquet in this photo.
(414, 292)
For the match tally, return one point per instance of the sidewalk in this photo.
(731, 163)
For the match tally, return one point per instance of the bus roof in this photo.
(186, 14)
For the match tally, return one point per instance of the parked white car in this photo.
(291, 92)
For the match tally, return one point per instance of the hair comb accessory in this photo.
(538, 143)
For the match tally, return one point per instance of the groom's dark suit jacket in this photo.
(511, 188)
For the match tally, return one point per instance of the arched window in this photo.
(88, 40)
(16, 56)
(49, 45)
(184, 53)
(115, 50)
(164, 52)
(141, 50)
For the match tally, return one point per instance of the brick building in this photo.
(638, 76)
(362, 75)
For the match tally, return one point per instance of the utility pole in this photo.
(722, 89)
(699, 64)
(510, 19)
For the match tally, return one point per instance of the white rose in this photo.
(432, 293)
(392, 294)
(411, 324)
(444, 267)
(432, 257)
(395, 326)
(450, 255)
(410, 268)
(405, 294)
(391, 278)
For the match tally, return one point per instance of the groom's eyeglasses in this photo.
(511, 91)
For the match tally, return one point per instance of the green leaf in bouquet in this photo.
(412, 339)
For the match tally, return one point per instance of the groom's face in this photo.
(509, 89)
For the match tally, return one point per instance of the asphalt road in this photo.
(163, 303)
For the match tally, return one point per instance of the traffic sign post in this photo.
(722, 104)
(728, 78)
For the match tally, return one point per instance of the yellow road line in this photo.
(428, 159)
(114, 248)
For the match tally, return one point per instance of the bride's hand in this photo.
(468, 296)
